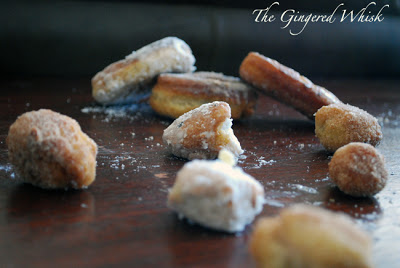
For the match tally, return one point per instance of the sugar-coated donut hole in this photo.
(358, 169)
(49, 150)
(339, 124)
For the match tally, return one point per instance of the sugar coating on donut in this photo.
(214, 194)
(201, 133)
(339, 124)
(306, 236)
(176, 94)
(130, 79)
(358, 169)
(50, 150)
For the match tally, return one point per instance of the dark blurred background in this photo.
(79, 38)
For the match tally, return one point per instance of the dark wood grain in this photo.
(122, 219)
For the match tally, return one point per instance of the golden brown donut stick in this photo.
(285, 84)
(176, 94)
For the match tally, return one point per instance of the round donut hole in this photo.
(358, 169)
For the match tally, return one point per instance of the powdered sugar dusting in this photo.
(303, 188)
(8, 170)
(117, 84)
(260, 161)
(202, 132)
(131, 112)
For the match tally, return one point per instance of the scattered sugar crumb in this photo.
(131, 112)
(304, 188)
(149, 138)
(261, 162)
(6, 168)
(273, 203)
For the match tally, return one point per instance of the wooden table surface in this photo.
(122, 219)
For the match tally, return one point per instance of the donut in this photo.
(307, 236)
(339, 124)
(176, 94)
(285, 84)
(130, 79)
(358, 169)
(201, 133)
(49, 150)
(216, 195)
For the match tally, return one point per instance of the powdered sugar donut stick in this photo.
(131, 79)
